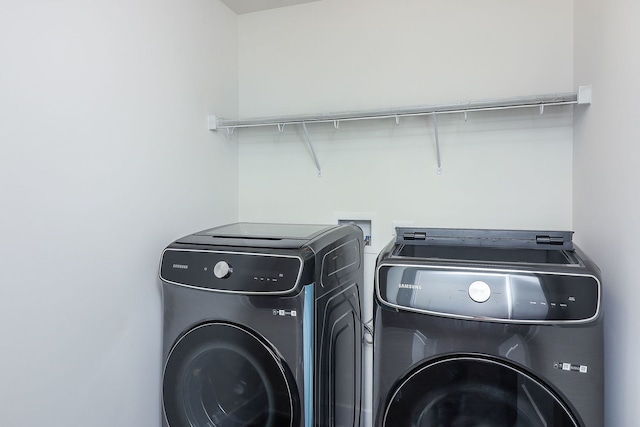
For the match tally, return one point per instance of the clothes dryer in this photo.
(262, 327)
(483, 328)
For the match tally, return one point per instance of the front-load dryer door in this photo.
(474, 391)
(223, 375)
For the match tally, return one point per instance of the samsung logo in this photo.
(181, 266)
(409, 286)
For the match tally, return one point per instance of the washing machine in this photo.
(262, 327)
(479, 328)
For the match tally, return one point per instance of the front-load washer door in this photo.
(474, 391)
(224, 375)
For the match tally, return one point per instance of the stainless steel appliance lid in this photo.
(258, 235)
(251, 230)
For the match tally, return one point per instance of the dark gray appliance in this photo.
(481, 328)
(262, 327)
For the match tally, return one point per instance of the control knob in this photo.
(479, 291)
(222, 270)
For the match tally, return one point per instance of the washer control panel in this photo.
(492, 295)
(231, 271)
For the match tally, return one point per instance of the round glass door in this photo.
(474, 391)
(222, 375)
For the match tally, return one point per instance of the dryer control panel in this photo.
(239, 272)
(509, 296)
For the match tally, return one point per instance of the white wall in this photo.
(351, 54)
(105, 158)
(500, 170)
(606, 177)
(508, 169)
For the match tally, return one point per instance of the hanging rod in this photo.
(583, 96)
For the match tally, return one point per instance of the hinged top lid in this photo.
(259, 235)
(516, 239)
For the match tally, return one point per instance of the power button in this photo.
(222, 270)
(479, 291)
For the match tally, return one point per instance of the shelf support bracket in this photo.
(212, 122)
(435, 131)
(310, 145)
